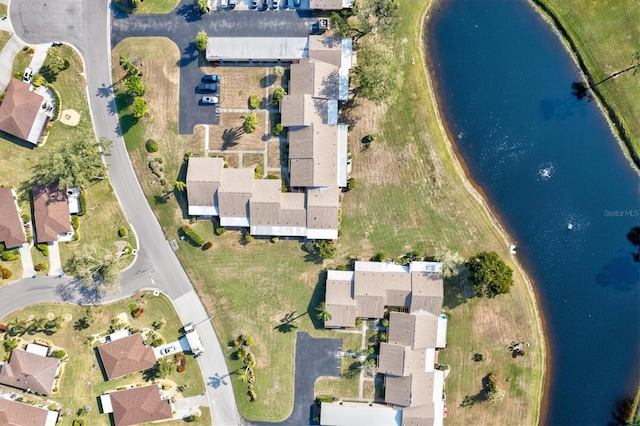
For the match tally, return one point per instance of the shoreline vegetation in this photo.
(593, 56)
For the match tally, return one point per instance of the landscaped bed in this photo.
(82, 381)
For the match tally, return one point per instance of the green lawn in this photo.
(606, 34)
(100, 225)
(149, 6)
(4, 38)
(21, 61)
(410, 196)
(3, 10)
(82, 381)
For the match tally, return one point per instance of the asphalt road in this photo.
(182, 25)
(314, 358)
(85, 25)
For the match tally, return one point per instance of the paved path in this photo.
(314, 358)
(55, 265)
(28, 270)
(39, 55)
(9, 51)
(86, 27)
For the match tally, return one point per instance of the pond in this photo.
(556, 176)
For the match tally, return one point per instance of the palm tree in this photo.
(635, 65)
(323, 313)
(18, 326)
(244, 375)
(179, 185)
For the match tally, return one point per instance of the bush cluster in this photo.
(191, 233)
(75, 221)
(83, 204)
(10, 255)
(6, 273)
(44, 248)
(156, 166)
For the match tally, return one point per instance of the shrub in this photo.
(59, 354)
(246, 340)
(83, 204)
(25, 218)
(253, 396)
(38, 80)
(278, 93)
(6, 273)
(201, 41)
(128, 250)
(10, 344)
(274, 240)
(370, 138)
(44, 248)
(158, 342)
(219, 230)
(277, 129)
(382, 336)
(151, 145)
(10, 255)
(78, 422)
(384, 323)
(122, 232)
(137, 312)
(478, 356)
(2, 247)
(250, 122)
(254, 101)
(207, 245)
(180, 368)
(272, 177)
(257, 172)
(76, 236)
(247, 238)
(351, 184)
(379, 257)
(75, 222)
(278, 71)
(193, 235)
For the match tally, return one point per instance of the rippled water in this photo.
(553, 171)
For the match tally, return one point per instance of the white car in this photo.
(28, 74)
(168, 350)
(210, 100)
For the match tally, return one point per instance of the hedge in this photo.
(10, 255)
(75, 221)
(220, 230)
(83, 204)
(191, 233)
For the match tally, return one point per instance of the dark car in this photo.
(254, 3)
(208, 87)
(213, 78)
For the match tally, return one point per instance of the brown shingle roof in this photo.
(326, 49)
(419, 416)
(234, 192)
(139, 405)
(14, 413)
(264, 204)
(51, 212)
(325, 4)
(204, 176)
(322, 208)
(292, 211)
(417, 331)
(11, 230)
(29, 371)
(19, 110)
(409, 391)
(340, 302)
(401, 360)
(319, 79)
(125, 356)
(427, 292)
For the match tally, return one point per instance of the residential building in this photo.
(14, 413)
(11, 229)
(51, 214)
(21, 112)
(29, 371)
(204, 177)
(330, 4)
(125, 356)
(136, 405)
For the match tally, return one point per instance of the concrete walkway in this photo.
(187, 406)
(28, 270)
(39, 55)
(55, 265)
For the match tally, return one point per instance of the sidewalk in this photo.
(39, 56)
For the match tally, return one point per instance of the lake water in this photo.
(547, 162)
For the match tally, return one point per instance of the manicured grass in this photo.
(3, 10)
(21, 61)
(82, 380)
(104, 216)
(346, 386)
(606, 34)
(4, 38)
(149, 6)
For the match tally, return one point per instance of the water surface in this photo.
(548, 162)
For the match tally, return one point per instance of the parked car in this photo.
(287, 4)
(28, 74)
(254, 3)
(168, 350)
(232, 4)
(208, 87)
(296, 3)
(210, 100)
(213, 78)
(223, 4)
(274, 4)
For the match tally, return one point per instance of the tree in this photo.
(378, 76)
(323, 314)
(55, 62)
(277, 129)
(179, 185)
(18, 326)
(133, 85)
(127, 64)
(139, 108)
(278, 93)
(374, 16)
(201, 41)
(326, 249)
(98, 269)
(250, 122)
(278, 71)
(160, 370)
(203, 6)
(452, 263)
(489, 274)
(254, 101)
(73, 163)
(340, 23)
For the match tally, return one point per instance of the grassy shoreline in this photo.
(584, 39)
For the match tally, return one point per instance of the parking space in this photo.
(168, 349)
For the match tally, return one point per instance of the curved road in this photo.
(85, 25)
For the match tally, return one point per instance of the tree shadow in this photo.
(189, 11)
(17, 141)
(621, 273)
(191, 53)
(457, 290)
(316, 298)
(105, 91)
(75, 291)
(117, 12)
(623, 412)
(48, 74)
(312, 254)
(267, 80)
(231, 136)
(287, 322)
(181, 196)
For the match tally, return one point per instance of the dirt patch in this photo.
(229, 135)
(70, 117)
(250, 160)
(67, 317)
(238, 83)
(273, 153)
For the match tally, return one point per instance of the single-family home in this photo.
(30, 371)
(125, 356)
(11, 229)
(51, 214)
(136, 405)
(21, 112)
(14, 413)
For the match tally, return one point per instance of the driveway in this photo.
(314, 358)
(182, 25)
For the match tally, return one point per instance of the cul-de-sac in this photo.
(317, 212)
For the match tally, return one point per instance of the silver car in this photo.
(210, 100)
